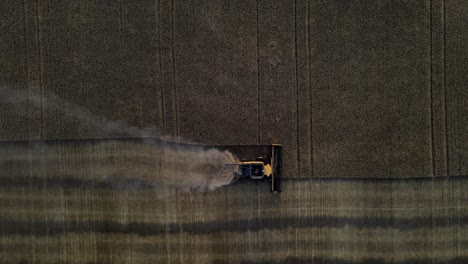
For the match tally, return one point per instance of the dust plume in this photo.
(25, 103)
(119, 161)
(135, 159)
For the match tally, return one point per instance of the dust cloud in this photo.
(121, 162)
(139, 157)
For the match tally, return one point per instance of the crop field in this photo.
(368, 100)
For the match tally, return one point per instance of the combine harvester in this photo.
(268, 165)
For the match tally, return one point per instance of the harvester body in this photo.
(256, 170)
(268, 167)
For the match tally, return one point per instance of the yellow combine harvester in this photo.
(268, 166)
